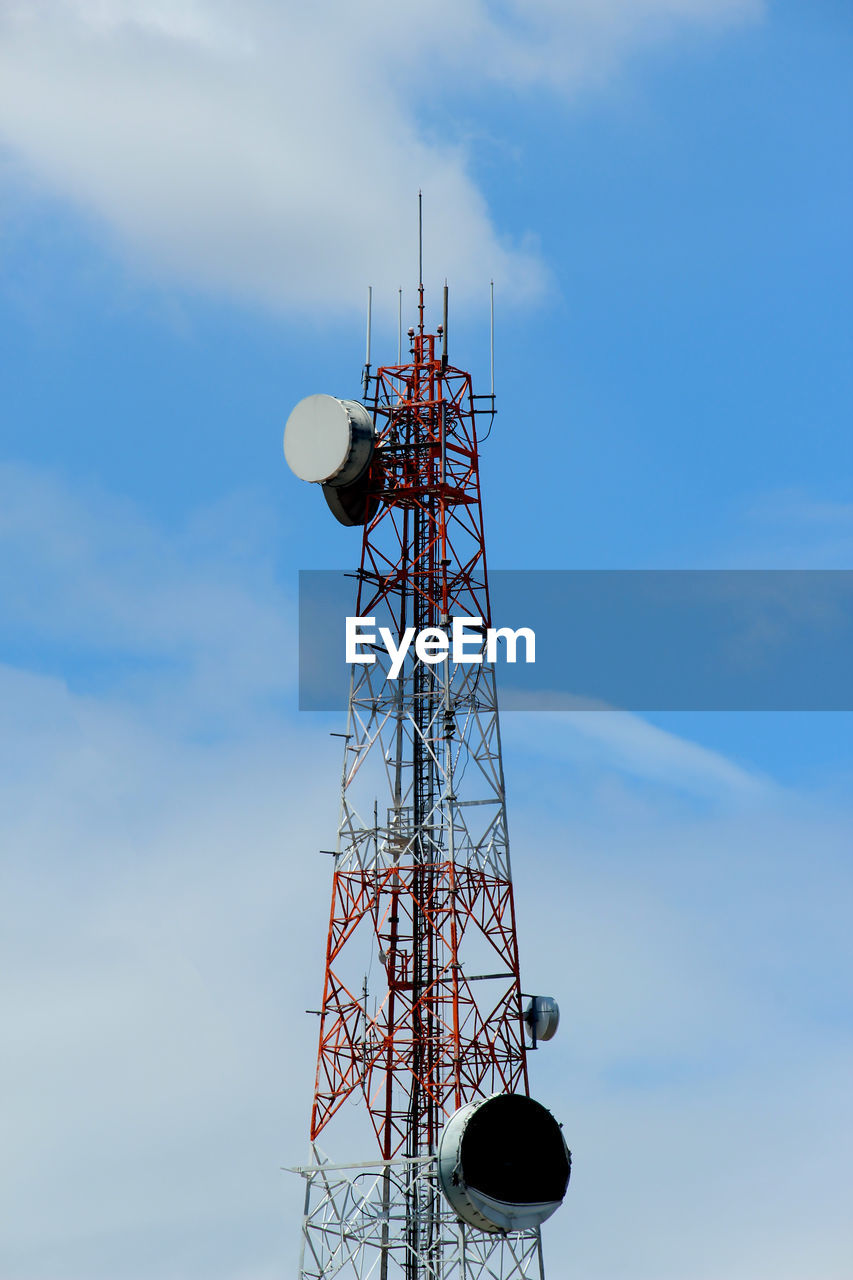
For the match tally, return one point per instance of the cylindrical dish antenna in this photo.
(329, 441)
(351, 504)
(503, 1163)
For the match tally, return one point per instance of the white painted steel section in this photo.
(353, 1229)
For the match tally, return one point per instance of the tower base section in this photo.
(388, 1220)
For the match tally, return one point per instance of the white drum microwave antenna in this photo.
(329, 441)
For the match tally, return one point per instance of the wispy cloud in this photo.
(86, 574)
(160, 898)
(158, 836)
(796, 529)
(702, 966)
(628, 744)
(273, 152)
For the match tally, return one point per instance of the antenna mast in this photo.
(465, 1165)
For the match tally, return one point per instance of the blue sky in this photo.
(195, 196)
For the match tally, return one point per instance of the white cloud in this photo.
(702, 970)
(85, 573)
(162, 928)
(625, 743)
(792, 528)
(273, 151)
(162, 890)
(161, 897)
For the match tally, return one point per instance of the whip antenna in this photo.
(366, 379)
(421, 263)
(444, 332)
(492, 337)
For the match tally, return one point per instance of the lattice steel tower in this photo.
(423, 1021)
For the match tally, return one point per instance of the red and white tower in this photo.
(423, 1023)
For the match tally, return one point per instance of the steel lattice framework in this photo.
(421, 1006)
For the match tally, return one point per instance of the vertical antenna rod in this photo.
(421, 263)
(399, 326)
(492, 337)
(444, 333)
(366, 378)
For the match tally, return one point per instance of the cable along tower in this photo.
(423, 1023)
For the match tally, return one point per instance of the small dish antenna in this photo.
(541, 1018)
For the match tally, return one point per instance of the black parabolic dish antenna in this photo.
(503, 1163)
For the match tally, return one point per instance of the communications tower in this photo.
(422, 1065)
